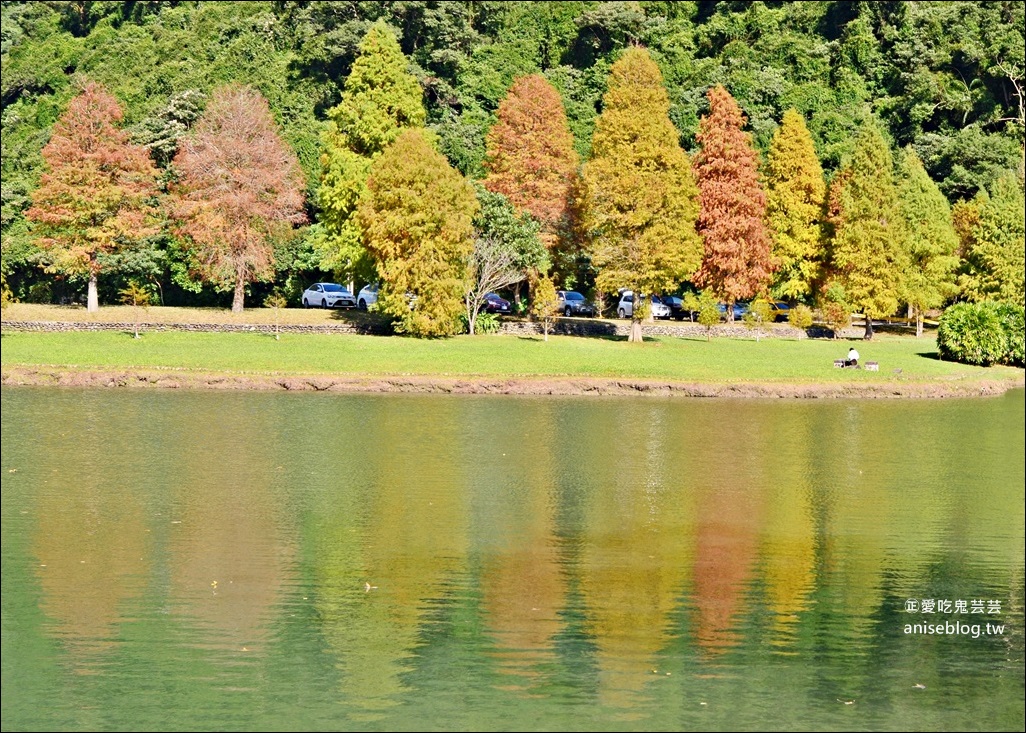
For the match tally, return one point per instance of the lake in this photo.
(263, 561)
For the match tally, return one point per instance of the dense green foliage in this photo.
(342, 78)
(982, 333)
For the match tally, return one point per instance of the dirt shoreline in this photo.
(537, 386)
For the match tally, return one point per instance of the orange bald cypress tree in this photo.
(737, 262)
(530, 157)
(97, 194)
(239, 185)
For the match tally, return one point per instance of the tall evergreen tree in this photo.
(380, 100)
(239, 185)
(530, 156)
(96, 196)
(795, 192)
(868, 257)
(931, 242)
(732, 222)
(417, 219)
(640, 194)
(995, 267)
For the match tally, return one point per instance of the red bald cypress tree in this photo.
(737, 262)
(97, 194)
(239, 185)
(530, 156)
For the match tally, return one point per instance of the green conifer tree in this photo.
(795, 192)
(380, 100)
(994, 267)
(417, 221)
(930, 239)
(641, 201)
(868, 256)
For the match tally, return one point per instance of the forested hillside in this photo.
(939, 81)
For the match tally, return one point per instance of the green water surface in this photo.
(220, 561)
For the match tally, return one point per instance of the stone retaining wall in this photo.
(563, 326)
(64, 326)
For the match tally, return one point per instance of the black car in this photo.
(494, 304)
(675, 304)
(572, 303)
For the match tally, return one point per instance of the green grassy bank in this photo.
(720, 361)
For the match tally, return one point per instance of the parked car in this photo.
(494, 304)
(573, 303)
(328, 295)
(779, 310)
(739, 311)
(368, 296)
(676, 306)
(625, 308)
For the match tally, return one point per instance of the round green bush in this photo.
(972, 333)
(1013, 321)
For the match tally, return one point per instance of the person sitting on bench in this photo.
(853, 358)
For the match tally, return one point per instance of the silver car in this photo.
(368, 296)
(625, 308)
(328, 295)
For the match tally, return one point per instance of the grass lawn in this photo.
(168, 314)
(719, 361)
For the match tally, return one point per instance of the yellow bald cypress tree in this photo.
(641, 200)
(795, 191)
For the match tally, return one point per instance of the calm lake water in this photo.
(219, 561)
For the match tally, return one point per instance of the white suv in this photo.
(625, 308)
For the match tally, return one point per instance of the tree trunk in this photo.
(240, 293)
(869, 329)
(636, 333)
(471, 322)
(93, 298)
(919, 324)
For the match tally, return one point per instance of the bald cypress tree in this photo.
(737, 260)
(868, 257)
(97, 193)
(417, 219)
(995, 267)
(380, 100)
(795, 192)
(530, 157)
(640, 198)
(931, 242)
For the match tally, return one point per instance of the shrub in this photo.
(708, 315)
(39, 293)
(972, 333)
(800, 317)
(1013, 321)
(486, 323)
